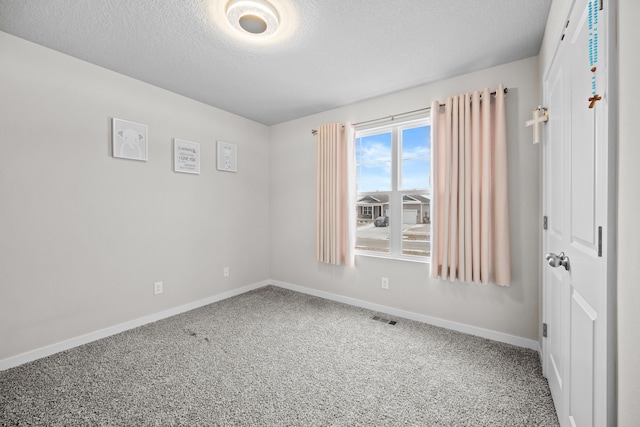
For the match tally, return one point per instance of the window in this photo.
(393, 204)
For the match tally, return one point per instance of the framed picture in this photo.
(129, 140)
(186, 156)
(227, 157)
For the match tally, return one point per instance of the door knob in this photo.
(558, 260)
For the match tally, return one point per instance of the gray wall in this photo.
(628, 215)
(83, 236)
(512, 310)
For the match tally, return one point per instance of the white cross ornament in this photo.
(540, 115)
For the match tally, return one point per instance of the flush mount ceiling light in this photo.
(253, 17)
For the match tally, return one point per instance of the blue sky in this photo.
(373, 156)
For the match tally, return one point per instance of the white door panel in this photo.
(557, 297)
(583, 318)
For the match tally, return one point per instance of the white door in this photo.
(577, 177)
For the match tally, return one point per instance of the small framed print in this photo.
(129, 140)
(227, 157)
(186, 156)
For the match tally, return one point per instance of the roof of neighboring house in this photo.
(416, 198)
(373, 200)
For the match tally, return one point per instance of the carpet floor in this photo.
(273, 357)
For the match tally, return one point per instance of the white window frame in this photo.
(395, 206)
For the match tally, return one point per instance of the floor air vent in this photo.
(383, 320)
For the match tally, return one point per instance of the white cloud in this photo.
(416, 152)
(375, 152)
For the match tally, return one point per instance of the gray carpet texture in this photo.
(273, 357)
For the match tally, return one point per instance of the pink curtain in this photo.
(335, 216)
(470, 222)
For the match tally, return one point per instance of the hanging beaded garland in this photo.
(593, 19)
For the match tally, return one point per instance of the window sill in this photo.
(419, 260)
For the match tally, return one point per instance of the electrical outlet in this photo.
(225, 272)
(157, 288)
(385, 283)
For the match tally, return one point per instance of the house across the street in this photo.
(415, 208)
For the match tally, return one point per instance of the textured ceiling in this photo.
(327, 53)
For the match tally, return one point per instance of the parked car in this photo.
(381, 221)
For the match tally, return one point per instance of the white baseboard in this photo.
(448, 324)
(39, 353)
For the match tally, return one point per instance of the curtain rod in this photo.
(315, 131)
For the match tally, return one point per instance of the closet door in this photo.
(577, 177)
